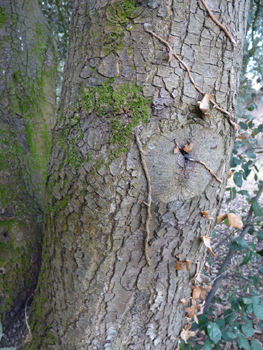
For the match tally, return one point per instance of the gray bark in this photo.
(96, 290)
(27, 113)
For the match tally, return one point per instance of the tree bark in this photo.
(96, 290)
(27, 113)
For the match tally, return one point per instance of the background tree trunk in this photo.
(95, 289)
(27, 113)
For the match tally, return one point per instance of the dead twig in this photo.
(149, 202)
(219, 24)
(210, 171)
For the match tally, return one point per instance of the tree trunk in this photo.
(27, 113)
(96, 290)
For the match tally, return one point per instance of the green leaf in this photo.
(238, 179)
(214, 332)
(260, 128)
(260, 270)
(258, 311)
(182, 345)
(1, 331)
(243, 343)
(247, 258)
(260, 252)
(251, 107)
(256, 209)
(260, 324)
(207, 345)
(231, 335)
(247, 300)
(259, 234)
(247, 329)
(255, 345)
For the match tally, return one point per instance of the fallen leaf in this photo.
(207, 242)
(196, 292)
(187, 264)
(230, 174)
(234, 221)
(185, 335)
(191, 310)
(206, 214)
(178, 265)
(221, 218)
(208, 268)
(204, 104)
(176, 149)
(188, 148)
(241, 137)
(196, 318)
(183, 301)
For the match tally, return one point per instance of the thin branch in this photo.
(210, 171)
(149, 202)
(219, 24)
(171, 54)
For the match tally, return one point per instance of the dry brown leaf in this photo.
(241, 137)
(207, 242)
(206, 214)
(188, 148)
(208, 268)
(196, 318)
(191, 310)
(234, 221)
(204, 104)
(183, 301)
(221, 218)
(230, 174)
(176, 149)
(187, 264)
(185, 335)
(196, 292)
(179, 265)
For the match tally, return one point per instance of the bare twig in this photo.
(219, 24)
(28, 337)
(149, 202)
(210, 171)
(171, 54)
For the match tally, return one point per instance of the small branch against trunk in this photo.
(219, 24)
(210, 171)
(171, 54)
(149, 202)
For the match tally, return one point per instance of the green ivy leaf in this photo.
(247, 258)
(257, 209)
(258, 311)
(243, 343)
(231, 335)
(255, 345)
(260, 252)
(214, 332)
(247, 300)
(207, 345)
(259, 234)
(238, 179)
(247, 329)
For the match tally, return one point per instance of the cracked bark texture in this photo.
(96, 290)
(27, 113)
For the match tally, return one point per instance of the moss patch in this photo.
(2, 16)
(124, 108)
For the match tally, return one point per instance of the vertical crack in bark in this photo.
(149, 202)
